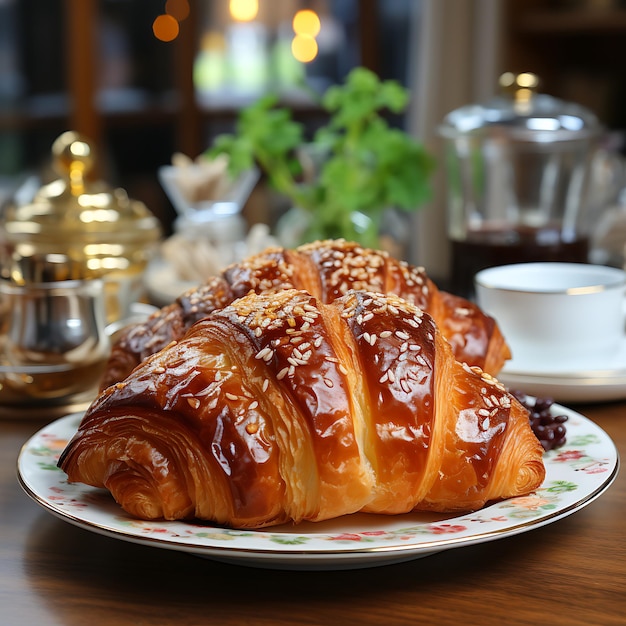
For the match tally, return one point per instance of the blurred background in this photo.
(145, 79)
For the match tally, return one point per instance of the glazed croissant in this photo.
(281, 408)
(327, 270)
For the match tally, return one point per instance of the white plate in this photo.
(576, 475)
(584, 380)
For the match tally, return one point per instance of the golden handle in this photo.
(73, 157)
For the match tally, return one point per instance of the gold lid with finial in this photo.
(74, 205)
(98, 229)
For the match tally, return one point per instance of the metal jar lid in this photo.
(522, 114)
(88, 221)
(76, 227)
(74, 204)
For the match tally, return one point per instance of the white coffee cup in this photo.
(556, 315)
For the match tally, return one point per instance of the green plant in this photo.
(366, 166)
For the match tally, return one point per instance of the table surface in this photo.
(567, 573)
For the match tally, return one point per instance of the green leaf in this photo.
(366, 166)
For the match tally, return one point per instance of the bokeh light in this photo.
(178, 9)
(244, 10)
(306, 22)
(165, 28)
(304, 48)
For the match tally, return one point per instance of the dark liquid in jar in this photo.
(488, 248)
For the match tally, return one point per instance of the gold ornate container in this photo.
(78, 228)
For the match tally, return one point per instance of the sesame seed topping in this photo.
(194, 403)
(263, 353)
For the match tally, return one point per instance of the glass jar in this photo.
(518, 171)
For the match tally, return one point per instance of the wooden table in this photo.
(568, 573)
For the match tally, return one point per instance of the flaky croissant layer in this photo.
(327, 270)
(281, 408)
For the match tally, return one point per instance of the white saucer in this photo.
(579, 380)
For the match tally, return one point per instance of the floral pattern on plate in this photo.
(576, 474)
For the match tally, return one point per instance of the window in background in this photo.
(297, 49)
(11, 88)
(134, 101)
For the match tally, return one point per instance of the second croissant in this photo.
(327, 270)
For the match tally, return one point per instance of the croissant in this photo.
(280, 408)
(327, 270)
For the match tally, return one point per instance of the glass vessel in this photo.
(53, 339)
(518, 170)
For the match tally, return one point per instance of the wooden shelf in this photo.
(572, 22)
